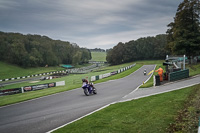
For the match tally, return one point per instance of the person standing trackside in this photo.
(160, 73)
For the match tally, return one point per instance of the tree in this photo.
(183, 36)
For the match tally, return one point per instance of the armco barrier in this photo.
(94, 78)
(179, 75)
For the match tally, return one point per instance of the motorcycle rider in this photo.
(145, 71)
(86, 82)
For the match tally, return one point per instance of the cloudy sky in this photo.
(89, 23)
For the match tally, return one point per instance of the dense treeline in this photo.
(183, 35)
(142, 49)
(35, 50)
(97, 50)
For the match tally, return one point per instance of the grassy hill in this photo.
(13, 71)
(98, 56)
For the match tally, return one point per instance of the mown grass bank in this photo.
(13, 71)
(152, 114)
(98, 56)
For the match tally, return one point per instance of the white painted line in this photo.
(158, 93)
(139, 85)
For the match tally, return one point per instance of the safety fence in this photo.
(173, 76)
(31, 88)
(101, 76)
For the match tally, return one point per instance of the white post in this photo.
(22, 89)
(183, 62)
(167, 57)
(154, 80)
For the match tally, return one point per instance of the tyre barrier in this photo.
(94, 78)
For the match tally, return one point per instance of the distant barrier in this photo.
(74, 70)
(31, 88)
(35, 75)
(94, 78)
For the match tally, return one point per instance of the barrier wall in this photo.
(173, 76)
(31, 88)
(94, 78)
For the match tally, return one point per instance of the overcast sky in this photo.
(89, 23)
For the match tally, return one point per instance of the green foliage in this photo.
(36, 50)
(142, 49)
(184, 33)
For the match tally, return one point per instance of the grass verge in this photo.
(147, 115)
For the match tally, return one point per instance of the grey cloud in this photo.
(89, 23)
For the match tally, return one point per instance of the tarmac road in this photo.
(47, 113)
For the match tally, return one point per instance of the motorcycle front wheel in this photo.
(94, 91)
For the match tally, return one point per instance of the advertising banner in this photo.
(61, 83)
(10, 91)
(51, 85)
(113, 73)
(39, 87)
(27, 88)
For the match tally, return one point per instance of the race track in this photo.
(47, 113)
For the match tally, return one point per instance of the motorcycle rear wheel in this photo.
(86, 92)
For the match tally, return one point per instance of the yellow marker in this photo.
(150, 72)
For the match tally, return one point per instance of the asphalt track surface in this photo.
(49, 112)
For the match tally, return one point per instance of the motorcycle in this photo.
(89, 89)
(145, 72)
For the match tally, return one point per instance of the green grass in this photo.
(13, 71)
(146, 115)
(98, 56)
(194, 69)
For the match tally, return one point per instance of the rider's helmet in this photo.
(83, 80)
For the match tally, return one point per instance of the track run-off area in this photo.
(51, 112)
